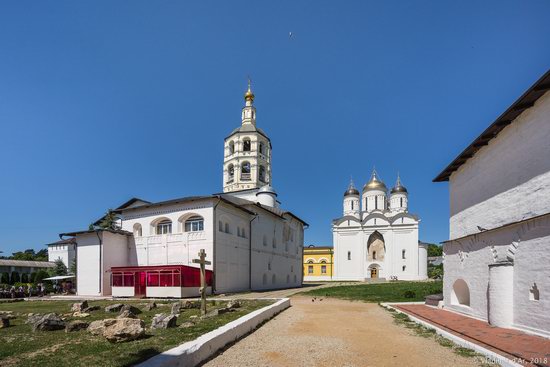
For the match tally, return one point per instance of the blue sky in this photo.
(101, 101)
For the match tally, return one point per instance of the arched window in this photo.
(246, 145)
(194, 224)
(401, 202)
(310, 261)
(374, 255)
(262, 148)
(230, 172)
(268, 266)
(403, 253)
(164, 227)
(227, 228)
(220, 226)
(231, 147)
(261, 174)
(352, 205)
(245, 171)
(404, 267)
(138, 232)
(349, 255)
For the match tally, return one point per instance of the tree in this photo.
(41, 275)
(32, 277)
(30, 255)
(24, 278)
(5, 278)
(434, 250)
(60, 268)
(109, 220)
(14, 278)
(72, 268)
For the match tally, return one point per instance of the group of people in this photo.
(22, 291)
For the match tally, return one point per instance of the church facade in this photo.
(377, 237)
(250, 241)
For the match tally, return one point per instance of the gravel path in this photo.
(335, 332)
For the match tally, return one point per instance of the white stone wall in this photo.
(526, 244)
(506, 181)
(114, 253)
(88, 265)
(65, 252)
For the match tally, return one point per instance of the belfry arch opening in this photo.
(461, 293)
(376, 247)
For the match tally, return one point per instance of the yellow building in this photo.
(318, 263)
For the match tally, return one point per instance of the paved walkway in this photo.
(282, 293)
(514, 344)
(333, 332)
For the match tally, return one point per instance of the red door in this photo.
(139, 284)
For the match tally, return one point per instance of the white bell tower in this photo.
(247, 152)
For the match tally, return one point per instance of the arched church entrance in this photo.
(376, 247)
(461, 293)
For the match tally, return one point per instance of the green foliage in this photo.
(435, 271)
(14, 278)
(109, 220)
(60, 268)
(435, 250)
(72, 269)
(24, 278)
(41, 275)
(409, 294)
(381, 292)
(32, 278)
(30, 255)
(5, 278)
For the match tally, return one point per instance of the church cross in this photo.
(202, 261)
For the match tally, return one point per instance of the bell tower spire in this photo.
(249, 111)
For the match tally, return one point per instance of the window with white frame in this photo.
(164, 227)
(194, 224)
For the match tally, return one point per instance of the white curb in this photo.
(489, 354)
(199, 350)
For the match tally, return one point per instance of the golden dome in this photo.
(374, 184)
(249, 96)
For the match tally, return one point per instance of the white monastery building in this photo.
(251, 242)
(377, 237)
(65, 250)
(497, 260)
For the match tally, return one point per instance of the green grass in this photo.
(381, 292)
(22, 347)
(422, 331)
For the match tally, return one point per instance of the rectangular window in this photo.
(323, 269)
(152, 279)
(403, 254)
(166, 279)
(128, 279)
(117, 280)
(310, 269)
(220, 226)
(349, 255)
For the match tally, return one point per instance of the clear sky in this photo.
(101, 101)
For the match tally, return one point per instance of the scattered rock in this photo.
(76, 325)
(130, 308)
(187, 324)
(193, 317)
(92, 308)
(114, 308)
(176, 308)
(4, 322)
(164, 321)
(79, 306)
(7, 315)
(233, 304)
(150, 306)
(81, 314)
(33, 318)
(99, 326)
(126, 314)
(48, 322)
(124, 330)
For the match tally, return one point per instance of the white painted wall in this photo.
(508, 180)
(65, 252)
(115, 249)
(88, 266)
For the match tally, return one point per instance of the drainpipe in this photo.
(250, 252)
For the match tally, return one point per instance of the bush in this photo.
(409, 294)
(24, 278)
(32, 278)
(14, 277)
(5, 278)
(41, 275)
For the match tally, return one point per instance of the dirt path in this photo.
(336, 333)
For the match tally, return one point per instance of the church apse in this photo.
(376, 247)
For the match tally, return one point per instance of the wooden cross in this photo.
(202, 261)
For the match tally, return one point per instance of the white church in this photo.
(250, 241)
(377, 237)
(497, 258)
